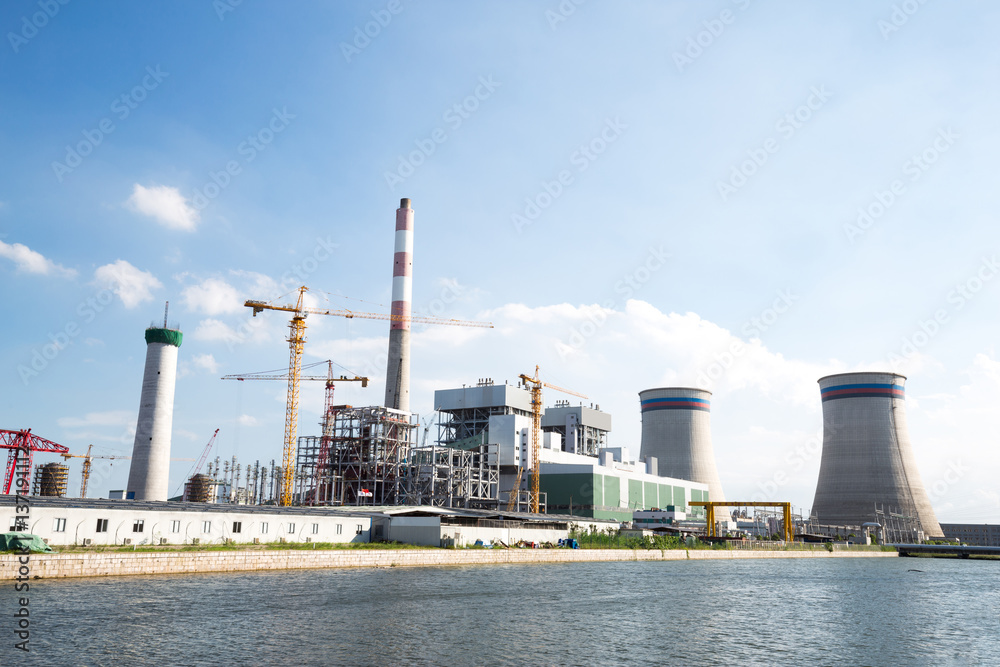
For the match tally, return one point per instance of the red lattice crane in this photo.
(22, 445)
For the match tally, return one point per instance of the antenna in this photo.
(165, 309)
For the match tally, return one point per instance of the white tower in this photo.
(147, 476)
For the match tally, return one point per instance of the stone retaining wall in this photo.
(49, 566)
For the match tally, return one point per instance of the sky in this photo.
(734, 195)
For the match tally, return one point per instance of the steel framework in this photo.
(452, 477)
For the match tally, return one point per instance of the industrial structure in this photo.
(397, 373)
(21, 447)
(867, 461)
(149, 472)
(676, 432)
(51, 479)
(496, 419)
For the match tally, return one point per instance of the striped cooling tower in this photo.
(676, 430)
(397, 373)
(150, 467)
(867, 456)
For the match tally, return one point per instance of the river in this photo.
(744, 612)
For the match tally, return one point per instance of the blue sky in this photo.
(626, 190)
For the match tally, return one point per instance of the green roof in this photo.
(167, 336)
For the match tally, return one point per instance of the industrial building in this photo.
(605, 484)
(676, 431)
(867, 464)
(973, 534)
(95, 522)
(63, 521)
(147, 476)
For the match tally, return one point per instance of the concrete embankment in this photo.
(53, 566)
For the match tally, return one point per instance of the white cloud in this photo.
(109, 418)
(247, 420)
(207, 362)
(212, 330)
(132, 285)
(213, 297)
(165, 204)
(29, 261)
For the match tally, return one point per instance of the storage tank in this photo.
(677, 432)
(867, 456)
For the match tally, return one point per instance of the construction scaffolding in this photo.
(370, 456)
(444, 476)
(51, 479)
(363, 460)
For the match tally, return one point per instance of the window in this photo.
(175, 526)
(237, 526)
(291, 529)
(263, 527)
(138, 526)
(60, 526)
(102, 525)
(315, 528)
(206, 527)
(340, 529)
(361, 529)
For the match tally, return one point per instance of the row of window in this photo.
(59, 526)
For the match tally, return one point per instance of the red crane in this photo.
(22, 445)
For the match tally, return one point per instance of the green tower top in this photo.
(163, 335)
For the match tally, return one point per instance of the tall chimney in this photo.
(397, 374)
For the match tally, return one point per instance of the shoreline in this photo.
(113, 564)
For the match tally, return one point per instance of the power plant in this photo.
(867, 461)
(147, 476)
(498, 448)
(677, 433)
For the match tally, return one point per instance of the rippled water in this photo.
(790, 612)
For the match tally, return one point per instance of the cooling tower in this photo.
(397, 374)
(867, 456)
(676, 430)
(147, 476)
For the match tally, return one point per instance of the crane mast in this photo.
(535, 386)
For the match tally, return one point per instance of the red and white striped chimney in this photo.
(397, 375)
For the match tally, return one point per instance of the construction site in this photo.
(496, 448)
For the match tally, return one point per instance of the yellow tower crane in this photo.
(88, 458)
(296, 341)
(536, 425)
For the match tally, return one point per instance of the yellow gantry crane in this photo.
(296, 341)
(536, 425)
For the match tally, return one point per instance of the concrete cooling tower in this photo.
(676, 430)
(147, 476)
(867, 456)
